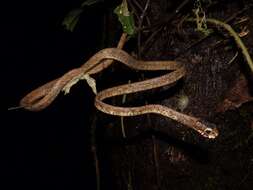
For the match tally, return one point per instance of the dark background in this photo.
(48, 149)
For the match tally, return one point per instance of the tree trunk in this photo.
(158, 153)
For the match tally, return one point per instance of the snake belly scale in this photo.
(43, 96)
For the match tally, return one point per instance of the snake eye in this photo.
(210, 133)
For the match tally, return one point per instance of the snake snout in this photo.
(211, 133)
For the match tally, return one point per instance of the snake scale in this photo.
(41, 97)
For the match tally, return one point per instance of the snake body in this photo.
(41, 97)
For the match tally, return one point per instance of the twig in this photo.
(107, 63)
(122, 118)
(156, 161)
(132, 8)
(140, 25)
(233, 58)
(138, 5)
(168, 18)
(144, 12)
(236, 38)
(181, 6)
(159, 26)
(15, 108)
(155, 154)
(146, 44)
(205, 37)
(94, 151)
(122, 127)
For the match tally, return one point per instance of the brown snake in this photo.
(41, 97)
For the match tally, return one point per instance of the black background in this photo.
(48, 149)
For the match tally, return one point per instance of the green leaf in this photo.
(71, 19)
(90, 2)
(126, 18)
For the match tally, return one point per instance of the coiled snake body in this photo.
(41, 97)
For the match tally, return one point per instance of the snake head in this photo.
(207, 129)
(210, 133)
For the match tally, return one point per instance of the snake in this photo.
(43, 96)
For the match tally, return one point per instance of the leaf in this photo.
(126, 18)
(91, 82)
(71, 19)
(90, 2)
(73, 16)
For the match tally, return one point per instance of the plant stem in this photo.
(235, 36)
(237, 40)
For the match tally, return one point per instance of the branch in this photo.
(235, 36)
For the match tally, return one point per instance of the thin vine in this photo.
(237, 39)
